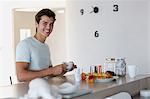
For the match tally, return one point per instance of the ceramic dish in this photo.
(67, 88)
(106, 79)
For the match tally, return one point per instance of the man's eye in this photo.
(51, 24)
(44, 23)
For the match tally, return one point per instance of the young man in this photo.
(32, 54)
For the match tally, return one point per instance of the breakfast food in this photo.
(83, 76)
(110, 73)
(90, 78)
(104, 75)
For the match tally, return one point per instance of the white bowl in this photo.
(145, 93)
(67, 88)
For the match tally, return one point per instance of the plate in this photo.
(78, 93)
(106, 79)
(67, 88)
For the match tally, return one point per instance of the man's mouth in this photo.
(47, 32)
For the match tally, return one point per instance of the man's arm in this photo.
(23, 74)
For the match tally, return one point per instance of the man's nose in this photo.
(47, 26)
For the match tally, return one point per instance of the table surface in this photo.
(18, 90)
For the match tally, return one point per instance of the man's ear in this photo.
(36, 24)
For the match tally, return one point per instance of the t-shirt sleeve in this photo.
(23, 52)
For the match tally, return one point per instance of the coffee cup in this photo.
(69, 65)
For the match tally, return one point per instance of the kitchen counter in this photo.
(100, 90)
(126, 84)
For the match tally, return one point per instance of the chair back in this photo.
(121, 95)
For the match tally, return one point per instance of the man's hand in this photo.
(58, 69)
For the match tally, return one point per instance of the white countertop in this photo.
(100, 90)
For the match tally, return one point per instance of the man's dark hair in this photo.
(46, 12)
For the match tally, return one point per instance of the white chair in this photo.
(121, 95)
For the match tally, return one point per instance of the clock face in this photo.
(95, 9)
(93, 27)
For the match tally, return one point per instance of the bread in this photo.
(111, 73)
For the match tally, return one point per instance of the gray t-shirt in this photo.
(33, 51)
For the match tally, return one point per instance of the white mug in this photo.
(70, 65)
(132, 70)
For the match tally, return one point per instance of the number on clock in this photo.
(116, 8)
(96, 34)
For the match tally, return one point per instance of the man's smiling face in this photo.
(45, 25)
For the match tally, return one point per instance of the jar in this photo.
(109, 64)
(120, 68)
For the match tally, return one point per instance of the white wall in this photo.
(6, 61)
(148, 67)
(122, 34)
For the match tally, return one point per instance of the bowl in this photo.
(67, 88)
